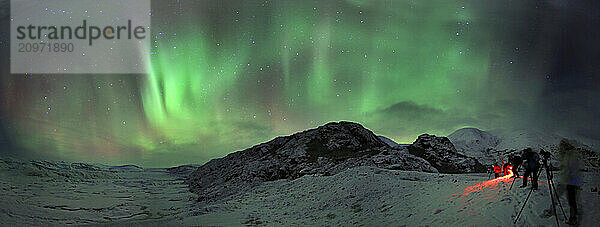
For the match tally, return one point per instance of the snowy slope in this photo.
(476, 143)
(41, 193)
(376, 197)
(521, 138)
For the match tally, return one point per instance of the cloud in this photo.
(403, 120)
(412, 110)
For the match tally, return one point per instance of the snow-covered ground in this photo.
(32, 195)
(376, 197)
(358, 196)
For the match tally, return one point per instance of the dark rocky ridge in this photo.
(442, 155)
(326, 150)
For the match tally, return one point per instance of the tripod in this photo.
(551, 188)
(513, 183)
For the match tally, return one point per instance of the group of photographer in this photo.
(501, 169)
(569, 165)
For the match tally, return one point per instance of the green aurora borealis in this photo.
(226, 75)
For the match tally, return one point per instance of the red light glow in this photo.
(490, 184)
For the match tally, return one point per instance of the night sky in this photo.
(226, 75)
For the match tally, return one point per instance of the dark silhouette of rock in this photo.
(326, 150)
(183, 169)
(401, 160)
(442, 155)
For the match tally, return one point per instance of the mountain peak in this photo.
(441, 154)
(468, 132)
(476, 143)
(325, 150)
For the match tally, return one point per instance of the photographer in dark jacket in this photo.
(516, 161)
(532, 166)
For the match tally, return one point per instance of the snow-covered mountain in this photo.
(476, 143)
(325, 150)
(353, 179)
(489, 146)
(441, 153)
(522, 138)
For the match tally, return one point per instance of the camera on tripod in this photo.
(545, 155)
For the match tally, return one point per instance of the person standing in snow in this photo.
(496, 170)
(506, 167)
(532, 166)
(570, 175)
(516, 163)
